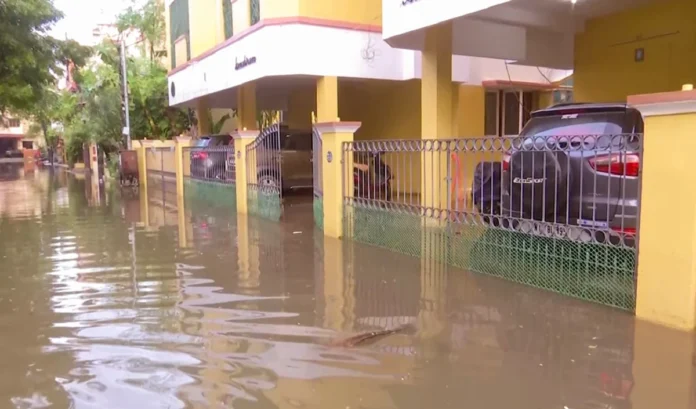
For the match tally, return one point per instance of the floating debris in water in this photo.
(368, 338)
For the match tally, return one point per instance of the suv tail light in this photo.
(506, 162)
(619, 164)
(200, 155)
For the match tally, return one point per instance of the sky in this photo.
(81, 16)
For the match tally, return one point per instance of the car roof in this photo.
(583, 106)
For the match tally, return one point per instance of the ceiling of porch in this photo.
(528, 32)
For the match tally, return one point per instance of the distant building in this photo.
(14, 135)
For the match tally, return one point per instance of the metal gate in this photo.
(264, 174)
(317, 178)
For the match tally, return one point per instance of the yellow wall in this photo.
(607, 72)
(279, 8)
(302, 103)
(354, 11)
(205, 19)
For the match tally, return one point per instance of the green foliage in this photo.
(220, 123)
(95, 112)
(147, 19)
(30, 59)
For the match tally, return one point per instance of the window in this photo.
(27, 145)
(506, 112)
(227, 18)
(254, 12)
(179, 31)
(13, 123)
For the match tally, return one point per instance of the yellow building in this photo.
(280, 48)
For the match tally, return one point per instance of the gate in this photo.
(264, 174)
(317, 178)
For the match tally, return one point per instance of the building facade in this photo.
(274, 52)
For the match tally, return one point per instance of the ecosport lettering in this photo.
(528, 180)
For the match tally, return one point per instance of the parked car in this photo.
(293, 161)
(210, 163)
(593, 182)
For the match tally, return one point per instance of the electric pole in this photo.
(126, 128)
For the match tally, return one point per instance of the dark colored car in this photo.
(573, 164)
(210, 159)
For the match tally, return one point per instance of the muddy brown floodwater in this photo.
(121, 301)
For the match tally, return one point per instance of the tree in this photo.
(148, 20)
(29, 58)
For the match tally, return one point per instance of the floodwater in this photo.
(112, 300)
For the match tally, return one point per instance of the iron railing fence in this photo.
(264, 173)
(582, 188)
(552, 203)
(215, 164)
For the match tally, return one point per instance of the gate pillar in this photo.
(334, 164)
(666, 288)
(241, 140)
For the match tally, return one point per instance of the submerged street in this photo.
(120, 301)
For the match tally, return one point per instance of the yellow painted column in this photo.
(666, 288)
(432, 315)
(337, 171)
(246, 106)
(242, 139)
(663, 368)
(436, 113)
(142, 162)
(327, 99)
(339, 287)
(182, 142)
(202, 115)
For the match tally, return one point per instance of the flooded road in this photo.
(126, 301)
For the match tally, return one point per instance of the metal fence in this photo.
(558, 212)
(214, 164)
(264, 174)
(317, 178)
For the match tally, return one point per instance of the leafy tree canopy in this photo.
(30, 59)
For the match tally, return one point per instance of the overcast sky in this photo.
(81, 16)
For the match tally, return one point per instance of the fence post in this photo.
(182, 142)
(142, 162)
(666, 276)
(241, 140)
(334, 134)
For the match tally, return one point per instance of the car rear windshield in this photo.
(202, 143)
(604, 123)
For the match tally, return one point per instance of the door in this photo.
(297, 160)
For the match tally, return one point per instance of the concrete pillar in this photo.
(246, 106)
(666, 288)
(327, 99)
(182, 142)
(334, 163)
(142, 161)
(202, 114)
(242, 139)
(663, 368)
(436, 113)
(339, 287)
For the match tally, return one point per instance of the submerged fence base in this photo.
(213, 194)
(589, 271)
